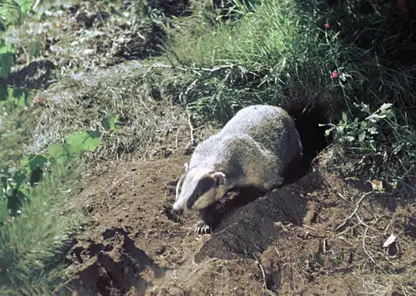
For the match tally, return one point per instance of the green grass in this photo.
(32, 245)
(272, 47)
(258, 40)
(279, 55)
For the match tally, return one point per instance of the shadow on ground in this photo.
(252, 227)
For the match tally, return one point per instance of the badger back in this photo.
(264, 123)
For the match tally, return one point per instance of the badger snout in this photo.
(177, 212)
(177, 209)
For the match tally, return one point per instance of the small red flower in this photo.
(326, 26)
(334, 74)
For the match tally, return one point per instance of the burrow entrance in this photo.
(308, 121)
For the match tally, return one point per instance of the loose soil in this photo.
(292, 241)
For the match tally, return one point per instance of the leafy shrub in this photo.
(377, 142)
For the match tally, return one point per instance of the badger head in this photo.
(198, 188)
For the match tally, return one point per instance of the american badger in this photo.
(255, 148)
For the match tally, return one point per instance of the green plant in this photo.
(6, 58)
(74, 145)
(110, 123)
(271, 53)
(16, 183)
(36, 216)
(11, 14)
(378, 141)
(32, 244)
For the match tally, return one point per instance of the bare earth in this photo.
(285, 243)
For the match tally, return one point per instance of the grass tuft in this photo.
(33, 244)
(279, 55)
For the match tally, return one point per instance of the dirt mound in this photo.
(298, 240)
(254, 226)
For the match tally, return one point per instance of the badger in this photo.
(255, 148)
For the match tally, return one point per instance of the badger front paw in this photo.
(202, 228)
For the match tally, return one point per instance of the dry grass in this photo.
(83, 101)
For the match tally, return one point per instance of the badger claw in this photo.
(202, 228)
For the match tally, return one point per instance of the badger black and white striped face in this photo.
(197, 189)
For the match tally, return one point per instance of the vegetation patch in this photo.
(34, 242)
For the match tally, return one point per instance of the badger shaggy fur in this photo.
(255, 148)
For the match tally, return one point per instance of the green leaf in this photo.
(61, 153)
(20, 178)
(361, 136)
(110, 122)
(34, 48)
(385, 106)
(10, 13)
(3, 93)
(17, 97)
(350, 138)
(344, 116)
(25, 5)
(328, 131)
(84, 141)
(4, 211)
(33, 162)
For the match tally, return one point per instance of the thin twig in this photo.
(355, 210)
(364, 248)
(191, 131)
(263, 274)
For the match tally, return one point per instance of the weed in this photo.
(377, 143)
(36, 214)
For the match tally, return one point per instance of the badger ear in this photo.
(219, 178)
